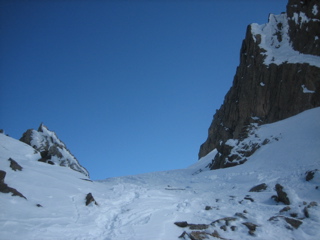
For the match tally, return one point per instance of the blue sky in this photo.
(129, 86)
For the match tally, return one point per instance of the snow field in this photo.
(144, 207)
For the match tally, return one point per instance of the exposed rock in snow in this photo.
(90, 199)
(311, 174)
(283, 78)
(281, 195)
(212, 204)
(259, 188)
(292, 222)
(51, 148)
(4, 188)
(14, 165)
(206, 204)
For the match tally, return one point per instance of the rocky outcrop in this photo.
(90, 199)
(14, 165)
(282, 196)
(278, 77)
(52, 149)
(4, 188)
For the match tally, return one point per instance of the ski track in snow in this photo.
(145, 206)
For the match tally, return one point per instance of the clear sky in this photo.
(129, 86)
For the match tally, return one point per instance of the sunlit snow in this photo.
(276, 42)
(144, 207)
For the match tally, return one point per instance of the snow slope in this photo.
(144, 207)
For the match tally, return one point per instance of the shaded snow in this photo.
(306, 90)
(144, 207)
(315, 10)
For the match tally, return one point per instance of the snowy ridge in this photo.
(144, 207)
(52, 149)
(276, 42)
(44, 136)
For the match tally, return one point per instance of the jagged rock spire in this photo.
(51, 148)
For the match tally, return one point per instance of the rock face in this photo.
(304, 31)
(278, 77)
(51, 148)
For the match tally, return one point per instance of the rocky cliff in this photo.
(278, 77)
(52, 149)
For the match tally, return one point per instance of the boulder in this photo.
(251, 226)
(90, 199)
(292, 222)
(14, 165)
(281, 195)
(181, 224)
(285, 209)
(207, 208)
(259, 188)
(310, 174)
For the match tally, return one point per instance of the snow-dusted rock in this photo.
(51, 148)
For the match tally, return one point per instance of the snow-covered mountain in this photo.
(278, 76)
(264, 143)
(194, 203)
(51, 148)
